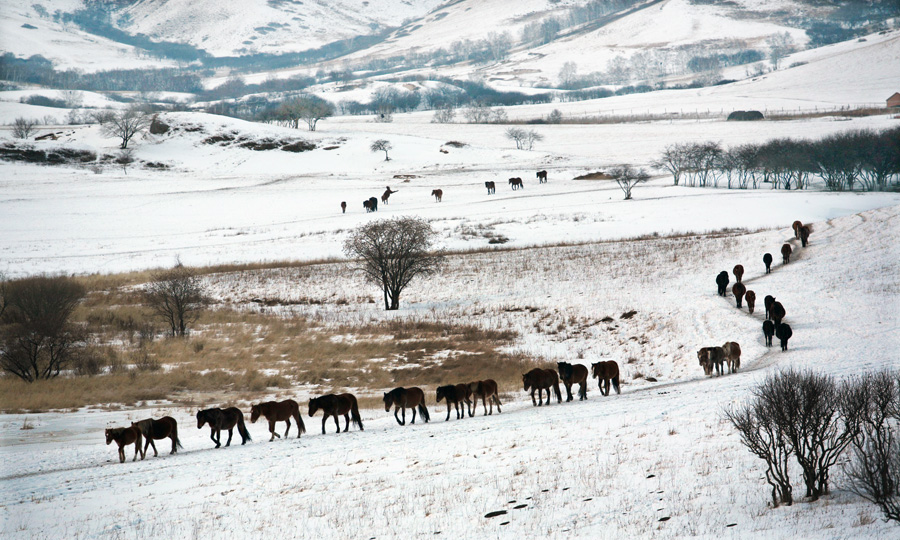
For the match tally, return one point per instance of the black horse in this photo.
(783, 333)
(767, 260)
(722, 282)
(768, 331)
(219, 419)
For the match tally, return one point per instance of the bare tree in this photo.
(125, 158)
(36, 338)
(125, 124)
(382, 145)
(444, 115)
(673, 159)
(24, 128)
(177, 297)
(307, 108)
(627, 178)
(780, 45)
(567, 74)
(524, 138)
(394, 252)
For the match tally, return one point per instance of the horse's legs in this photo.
(212, 435)
(414, 415)
(324, 419)
(568, 391)
(230, 433)
(271, 430)
(448, 411)
(496, 398)
(397, 418)
(121, 453)
(582, 390)
(153, 444)
(137, 450)
(533, 402)
(346, 422)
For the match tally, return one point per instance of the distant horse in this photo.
(540, 380)
(571, 374)
(786, 253)
(542, 177)
(712, 358)
(732, 355)
(722, 282)
(367, 204)
(738, 272)
(606, 372)
(158, 429)
(437, 194)
(343, 207)
(738, 290)
(767, 260)
(487, 391)
(768, 331)
(750, 297)
(768, 301)
(219, 419)
(804, 235)
(336, 405)
(491, 187)
(777, 312)
(387, 194)
(278, 411)
(406, 398)
(783, 333)
(457, 395)
(123, 437)
(796, 226)
(373, 204)
(516, 183)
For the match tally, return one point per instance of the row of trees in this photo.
(868, 160)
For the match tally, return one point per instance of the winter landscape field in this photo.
(562, 271)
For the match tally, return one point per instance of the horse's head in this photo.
(201, 419)
(441, 393)
(313, 406)
(254, 414)
(388, 401)
(526, 382)
(109, 436)
(595, 370)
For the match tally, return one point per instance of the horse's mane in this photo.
(144, 425)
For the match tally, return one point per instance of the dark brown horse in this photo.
(796, 226)
(540, 380)
(738, 290)
(750, 297)
(738, 272)
(732, 355)
(278, 411)
(437, 194)
(542, 177)
(367, 204)
(722, 282)
(491, 187)
(571, 374)
(768, 331)
(767, 260)
(123, 437)
(783, 333)
(777, 312)
(804, 235)
(343, 207)
(335, 405)
(606, 372)
(406, 398)
(516, 183)
(219, 419)
(487, 391)
(158, 429)
(458, 396)
(768, 301)
(712, 358)
(387, 194)
(786, 253)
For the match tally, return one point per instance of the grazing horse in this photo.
(606, 372)
(732, 355)
(768, 331)
(373, 204)
(278, 411)
(796, 226)
(542, 177)
(123, 437)
(158, 429)
(387, 194)
(457, 395)
(777, 312)
(540, 380)
(783, 333)
(804, 235)
(437, 194)
(491, 187)
(406, 398)
(219, 419)
(489, 394)
(367, 204)
(722, 282)
(516, 183)
(343, 207)
(786, 253)
(767, 260)
(750, 297)
(571, 374)
(738, 290)
(335, 405)
(738, 272)
(768, 301)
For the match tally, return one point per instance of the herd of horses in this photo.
(714, 358)
(371, 204)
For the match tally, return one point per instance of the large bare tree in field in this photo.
(393, 252)
(125, 124)
(176, 296)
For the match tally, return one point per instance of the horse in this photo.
(516, 183)
(738, 272)
(367, 204)
(387, 194)
(750, 297)
(712, 358)
(804, 235)
(457, 395)
(542, 177)
(219, 419)
(738, 290)
(491, 187)
(437, 194)
(732, 355)
(796, 226)
(767, 260)
(777, 312)
(343, 207)
(571, 374)
(786, 253)
(335, 405)
(783, 333)
(768, 331)
(123, 437)
(540, 380)
(406, 398)
(722, 282)
(703, 356)
(158, 429)
(373, 204)
(487, 391)
(278, 411)
(606, 372)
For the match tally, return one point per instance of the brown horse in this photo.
(750, 297)
(158, 429)
(738, 290)
(796, 226)
(491, 187)
(437, 194)
(458, 396)
(767, 260)
(804, 234)
(343, 207)
(777, 312)
(738, 272)
(542, 177)
(487, 391)
(335, 405)
(732, 355)
(123, 437)
(278, 411)
(387, 194)
(786, 253)
(219, 419)
(516, 183)
(540, 380)
(768, 301)
(571, 374)
(406, 398)
(606, 372)
(712, 358)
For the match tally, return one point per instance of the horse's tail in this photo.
(615, 383)
(242, 429)
(354, 413)
(423, 411)
(175, 434)
(558, 393)
(299, 418)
